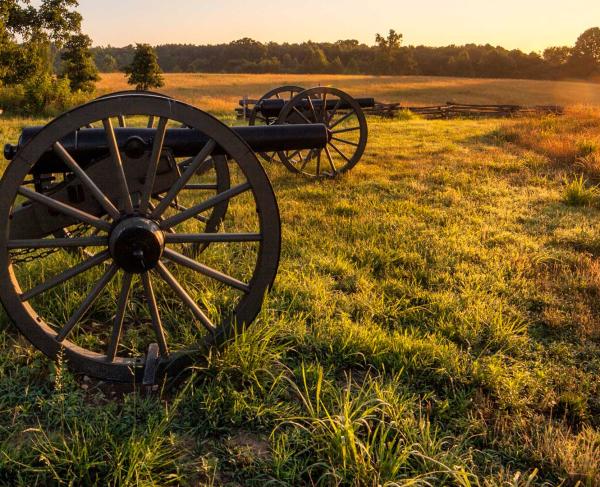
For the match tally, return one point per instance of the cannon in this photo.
(133, 250)
(338, 111)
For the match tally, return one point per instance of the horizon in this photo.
(531, 27)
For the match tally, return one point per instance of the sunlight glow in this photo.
(527, 25)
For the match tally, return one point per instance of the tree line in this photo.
(388, 56)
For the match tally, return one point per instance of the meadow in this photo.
(435, 319)
(218, 93)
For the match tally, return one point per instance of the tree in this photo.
(585, 59)
(78, 64)
(388, 47)
(144, 71)
(389, 43)
(557, 56)
(460, 65)
(107, 63)
(315, 60)
(26, 34)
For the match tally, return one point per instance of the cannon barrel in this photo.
(87, 145)
(273, 107)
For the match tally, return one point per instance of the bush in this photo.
(44, 95)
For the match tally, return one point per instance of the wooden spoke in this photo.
(205, 270)
(333, 168)
(122, 123)
(87, 302)
(185, 297)
(339, 152)
(155, 314)
(333, 112)
(343, 141)
(318, 163)
(183, 238)
(116, 156)
(341, 131)
(66, 275)
(324, 109)
(209, 203)
(184, 178)
(63, 208)
(340, 120)
(157, 146)
(117, 330)
(150, 121)
(201, 187)
(305, 162)
(312, 107)
(302, 115)
(294, 154)
(178, 207)
(58, 243)
(86, 180)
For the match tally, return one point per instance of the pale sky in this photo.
(525, 24)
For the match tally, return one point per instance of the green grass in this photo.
(435, 321)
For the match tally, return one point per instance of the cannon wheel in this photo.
(348, 127)
(60, 312)
(286, 93)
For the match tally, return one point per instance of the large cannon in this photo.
(342, 115)
(133, 250)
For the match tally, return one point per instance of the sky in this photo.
(530, 25)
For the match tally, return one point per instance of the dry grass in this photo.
(570, 142)
(221, 92)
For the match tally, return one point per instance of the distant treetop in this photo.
(144, 71)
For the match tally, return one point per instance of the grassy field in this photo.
(435, 320)
(219, 93)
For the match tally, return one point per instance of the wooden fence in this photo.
(439, 112)
(463, 110)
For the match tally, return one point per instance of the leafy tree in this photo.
(58, 19)
(557, 56)
(389, 43)
(585, 59)
(337, 66)
(386, 58)
(144, 71)
(78, 64)
(107, 63)
(315, 60)
(460, 65)
(26, 34)
(248, 49)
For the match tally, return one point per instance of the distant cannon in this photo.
(338, 111)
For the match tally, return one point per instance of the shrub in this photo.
(43, 95)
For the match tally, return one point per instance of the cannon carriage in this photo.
(132, 247)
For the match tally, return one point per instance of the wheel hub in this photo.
(136, 244)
